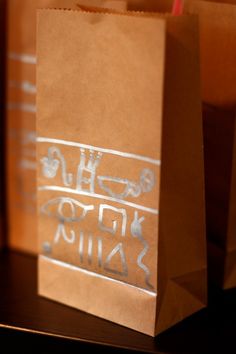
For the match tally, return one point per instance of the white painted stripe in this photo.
(98, 196)
(23, 58)
(107, 151)
(94, 275)
(24, 86)
(25, 107)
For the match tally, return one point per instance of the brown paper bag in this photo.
(220, 174)
(20, 129)
(120, 166)
(218, 56)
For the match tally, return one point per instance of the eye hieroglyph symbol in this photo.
(66, 206)
(63, 205)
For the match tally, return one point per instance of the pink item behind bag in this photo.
(177, 8)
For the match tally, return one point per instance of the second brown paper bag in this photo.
(218, 74)
(20, 120)
(120, 166)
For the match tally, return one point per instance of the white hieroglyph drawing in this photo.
(24, 136)
(133, 189)
(51, 165)
(90, 248)
(87, 171)
(122, 154)
(147, 180)
(28, 137)
(130, 188)
(47, 248)
(25, 58)
(100, 243)
(22, 106)
(112, 229)
(111, 219)
(64, 203)
(25, 86)
(81, 246)
(117, 250)
(136, 231)
(87, 182)
(61, 233)
(68, 206)
(91, 241)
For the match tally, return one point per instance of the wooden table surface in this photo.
(36, 324)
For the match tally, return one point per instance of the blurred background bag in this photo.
(218, 50)
(120, 166)
(220, 177)
(20, 120)
(218, 74)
